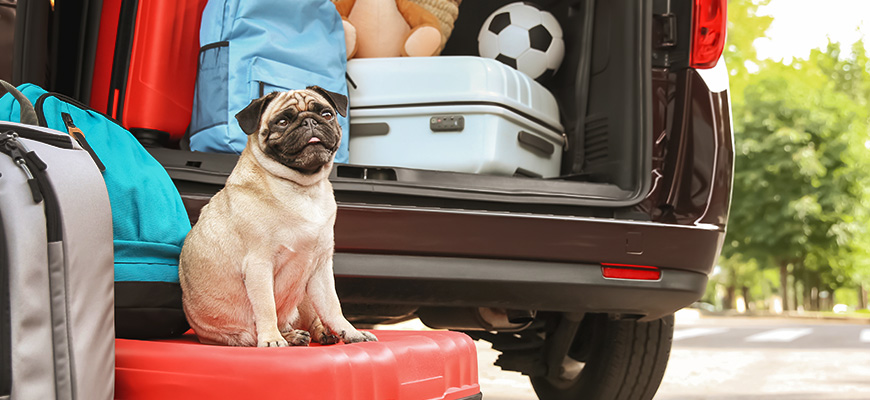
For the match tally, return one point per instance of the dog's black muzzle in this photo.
(306, 144)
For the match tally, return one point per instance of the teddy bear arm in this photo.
(415, 15)
(349, 38)
(344, 7)
(424, 41)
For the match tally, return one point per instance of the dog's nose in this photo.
(309, 122)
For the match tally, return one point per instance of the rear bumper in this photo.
(465, 258)
(454, 233)
(511, 284)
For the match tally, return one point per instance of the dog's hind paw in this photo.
(357, 336)
(297, 337)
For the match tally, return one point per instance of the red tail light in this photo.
(708, 32)
(633, 272)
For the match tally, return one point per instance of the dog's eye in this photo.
(327, 115)
(282, 123)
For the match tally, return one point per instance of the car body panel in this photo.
(693, 159)
(508, 284)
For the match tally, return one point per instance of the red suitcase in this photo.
(145, 66)
(402, 365)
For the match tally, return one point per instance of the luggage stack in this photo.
(464, 114)
(56, 287)
(149, 221)
(469, 115)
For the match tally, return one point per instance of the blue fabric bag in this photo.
(251, 48)
(148, 218)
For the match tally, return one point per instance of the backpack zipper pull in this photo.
(15, 149)
(31, 180)
(79, 136)
(30, 156)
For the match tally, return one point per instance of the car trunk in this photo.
(603, 89)
(604, 96)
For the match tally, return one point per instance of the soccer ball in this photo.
(525, 37)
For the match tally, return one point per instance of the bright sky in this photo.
(801, 25)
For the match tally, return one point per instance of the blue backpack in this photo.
(148, 218)
(252, 48)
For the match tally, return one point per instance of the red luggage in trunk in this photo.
(145, 67)
(402, 365)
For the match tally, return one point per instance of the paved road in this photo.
(741, 359)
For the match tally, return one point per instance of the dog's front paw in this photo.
(297, 337)
(273, 340)
(327, 338)
(357, 336)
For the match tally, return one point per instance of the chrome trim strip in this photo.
(357, 206)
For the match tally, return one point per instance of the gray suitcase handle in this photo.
(28, 113)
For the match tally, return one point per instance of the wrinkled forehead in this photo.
(301, 100)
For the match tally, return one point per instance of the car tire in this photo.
(612, 360)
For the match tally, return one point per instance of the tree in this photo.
(800, 170)
(745, 26)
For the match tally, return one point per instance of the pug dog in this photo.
(256, 269)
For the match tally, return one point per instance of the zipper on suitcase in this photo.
(47, 138)
(10, 146)
(79, 136)
(40, 187)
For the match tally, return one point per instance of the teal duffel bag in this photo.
(148, 217)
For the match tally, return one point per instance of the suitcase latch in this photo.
(447, 123)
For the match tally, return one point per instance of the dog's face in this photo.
(298, 129)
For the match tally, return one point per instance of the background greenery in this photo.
(798, 228)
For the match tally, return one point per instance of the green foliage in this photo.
(801, 188)
(744, 27)
(794, 189)
(846, 296)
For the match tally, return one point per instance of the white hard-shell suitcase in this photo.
(460, 114)
(56, 267)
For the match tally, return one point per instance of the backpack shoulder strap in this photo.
(28, 113)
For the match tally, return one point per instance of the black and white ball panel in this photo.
(510, 61)
(540, 38)
(499, 22)
(524, 37)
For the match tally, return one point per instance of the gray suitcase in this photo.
(56, 268)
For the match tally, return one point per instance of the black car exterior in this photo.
(574, 280)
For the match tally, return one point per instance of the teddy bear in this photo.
(446, 11)
(389, 28)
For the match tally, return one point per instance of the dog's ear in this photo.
(336, 100)
(249, 117)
